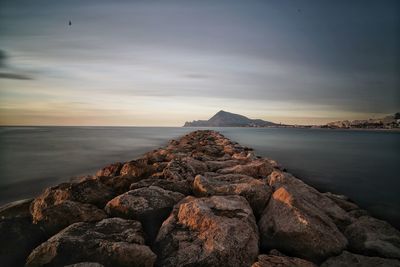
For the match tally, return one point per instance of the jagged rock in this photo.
(256, 169)
(257, 192)
(110, 170)
(137, 169)
(120, 184)
(19, 208)
(89, 191)
(179, 170)
(347, 259)
(281, 261)
(373, 237)
(18, 236)
(298, 227)
(55, 217)
(214, 231)
(110, 242)
(85, 264)
(308, 195)
(182, 187)
(150, 205)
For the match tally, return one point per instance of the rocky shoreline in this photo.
(202, 200)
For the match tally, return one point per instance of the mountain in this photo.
(388, 122)
(227, 119)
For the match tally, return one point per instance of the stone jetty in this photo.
(202, 200)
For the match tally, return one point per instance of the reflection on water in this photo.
(360, 164)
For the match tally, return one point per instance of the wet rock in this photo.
(373, 237)
(150, 205)
(307, 195)
(346, 259)
(110, 242)
(256, 169)
(281, 261)
(110, 170)
(182, 187)
(53, 218)
(214, 231)
(18, 236)
(257, 192)
(298, 227)
(19, 208)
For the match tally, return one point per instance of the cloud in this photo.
(8, 74)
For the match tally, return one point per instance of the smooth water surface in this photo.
(360, 164)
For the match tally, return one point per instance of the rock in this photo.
(18, 236)
(298, 227)
(179, 170)
(214, 231)
(373, 237)
(257, 192)
(110, 170)
(56, 217)
(120, 184)
(256, 169)
(88, 191)
(85, 264)
(348, 259)
(182, 187)
(281, 261)
(19, 208)
(110, 242)
(342, 201)
(310, 196)
(215, 165)
(150, 205)
(138, 169)
(358, 213)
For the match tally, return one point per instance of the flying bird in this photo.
(69, 23)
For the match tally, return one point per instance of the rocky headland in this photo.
(202, 200)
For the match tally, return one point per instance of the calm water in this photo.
(363, 165)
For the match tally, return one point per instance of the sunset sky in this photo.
(166, 62)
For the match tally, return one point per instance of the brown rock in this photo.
(257, 192)
(255, 168)
(182, 187)
(215, 165)
(373, 237)
(310, 196)
(19, 208)
(347, 259)
(85, 264)
(55, 217)
(110, 242)
(138, 169)
(298, 227)
(110, 170)
(150, 205)
(120, 184)
(342, 201)
(18, 236)
(281, 261)
(215, 231)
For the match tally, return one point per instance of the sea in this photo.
(363, 165)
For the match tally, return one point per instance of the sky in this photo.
(161, 63)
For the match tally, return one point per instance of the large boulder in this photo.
(346, 259)
(138, 169)
(309, 196)
(257, 168)
(256, 191)
(19, 208)
(56, 217)
(18, 236)
(342, 201)
(373, 237)
(150, 205)
(110, 242)
(298, 227)
(110, 170)
(281, 261)
(214, 231)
